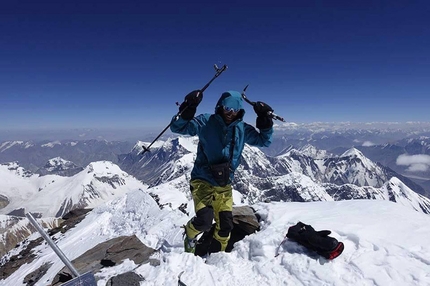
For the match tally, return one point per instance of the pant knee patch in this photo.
(203, 219)
(226, 223)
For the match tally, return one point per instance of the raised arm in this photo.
(262, 138)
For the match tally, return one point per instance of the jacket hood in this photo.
(232, 99)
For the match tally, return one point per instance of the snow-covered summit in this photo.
(396, 191)
(58, 162)
(352, 152)
(354, 168)
(313, 152)
(139, 146)
(385, 244)
(15, 169)
(104, 168)
(9, 144)
(59, 166)
(51, 144)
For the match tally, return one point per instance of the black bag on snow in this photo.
(245, 222)
(318, 241)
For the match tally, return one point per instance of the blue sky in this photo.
(124, 65)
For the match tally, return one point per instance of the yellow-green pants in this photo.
(211, 202)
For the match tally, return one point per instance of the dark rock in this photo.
(32, 278)
(125, 279)
(71, 219)
(15, 262)
(4, 201)
(111, 252)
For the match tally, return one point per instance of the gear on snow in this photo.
(318, 241)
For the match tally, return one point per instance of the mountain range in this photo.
(307, 174)
(403, 148)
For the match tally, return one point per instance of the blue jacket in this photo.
(215, 137)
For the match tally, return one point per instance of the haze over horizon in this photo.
(149, 134)
(116, 66)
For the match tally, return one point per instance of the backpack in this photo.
(318, 241)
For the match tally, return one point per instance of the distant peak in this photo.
(313, 152)
(353, 152)
(138, 147)
(51, 144)
(103, 168)
(308, 147)
(58, 161)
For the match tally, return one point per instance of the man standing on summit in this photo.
(222, 137)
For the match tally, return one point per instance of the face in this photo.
(229, 114)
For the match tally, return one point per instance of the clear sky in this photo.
(124, 65)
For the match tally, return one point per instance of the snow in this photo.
(189, 143)
(6, 145)
(57, 161)
(352, 152)
(45, 194)
(51, 144)
(138, 146)
(313, 152)
(385, 244)
(309, 190)
(404, 195)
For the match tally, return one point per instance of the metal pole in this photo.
(218, 72)
(52, 244)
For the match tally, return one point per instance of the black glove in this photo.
(262, 108)
(320, 240)
(264, 121)
(188, 108)
(316, 240)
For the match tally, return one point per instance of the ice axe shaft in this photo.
(218, 72)
(270, 113)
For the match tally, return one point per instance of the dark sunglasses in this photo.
(230, 109)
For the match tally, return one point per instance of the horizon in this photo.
(148, 134)
(99, 65)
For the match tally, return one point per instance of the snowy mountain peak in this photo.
(54, 195)
(51, 144)
(138, 147)
(311, 151)
(58, 163)
(103, 168)
(171, 144)
(398, 192)
(184, 143)
(59, 166)
(15, 168)
(8, 144)
(352, 152)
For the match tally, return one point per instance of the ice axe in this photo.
(218, 71)
(253, 103)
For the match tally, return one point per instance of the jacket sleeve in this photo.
(188, 127)
(255, 138)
